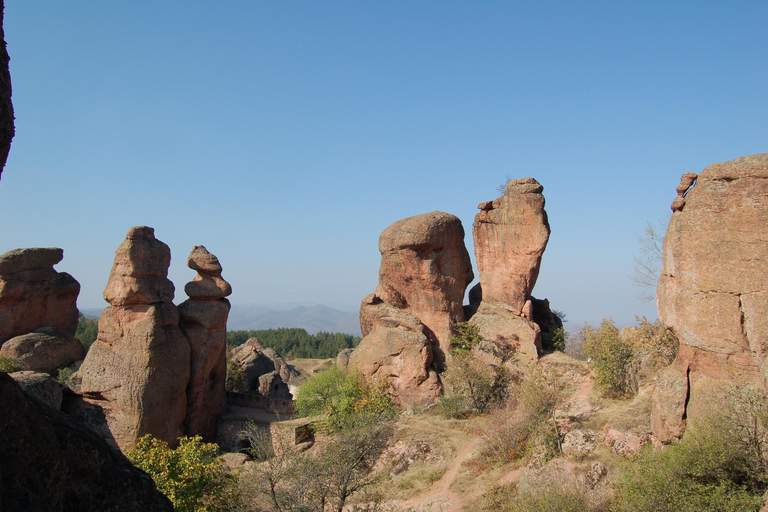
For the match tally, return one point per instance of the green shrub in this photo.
(342, 397)
(189, 475)
(472, 385)
(554, 340)
(654, 339)
(465, 336)
(8, 365)
(612, 358)
(87, 331)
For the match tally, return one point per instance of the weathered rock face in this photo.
(51, 463)
(713, 291)
(203, 320)
(43, 352)
(137, 370)
(425, 269)
(406, 323)
(397, 349)
(34, 295)
(510, 235)
(6, 107)
(40, 386)
(264, 370)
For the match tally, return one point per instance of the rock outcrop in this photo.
(510, 236)
(43, 352)
(33, 295)
(138, 368)
(51, 463)
(6, 106)
(263, 369)
(406, 323)
(713, 291)
(40, 386)
(203, 320)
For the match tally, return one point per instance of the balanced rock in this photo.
(510, 235)
(51, 463)
(34, 295)
(203, 320)
(713, 290)
(43, 352)
(138, 368)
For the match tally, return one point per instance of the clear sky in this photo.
(285, 136)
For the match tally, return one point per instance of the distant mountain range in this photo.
(254, 317)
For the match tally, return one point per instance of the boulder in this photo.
(42, 352)
(397, 350)
(425, 269)
(510, 337)
(510, 236)
(40, 386)
(51, 463)
(203, 320)
(138, 368)
(256, 362)
(33, 295)
(713, 290)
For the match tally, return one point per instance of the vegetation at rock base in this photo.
(87, 331)
(554, 340)
(721, 464)
(189, 475)
(612, 358)
(294, 342)
(342, 397)
(8, 365)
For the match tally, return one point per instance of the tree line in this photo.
(295, 342)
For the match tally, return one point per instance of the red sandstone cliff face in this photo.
(138, 368)
(713, 291)
(406, 323)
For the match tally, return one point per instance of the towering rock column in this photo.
(138, 368)
(406, 323)
(510, 236)
(204, 323)
(713, 290)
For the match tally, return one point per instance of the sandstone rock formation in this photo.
(138, 368)
(713, 291)
(51, 463)
(33, 295)
(406, 323)
(43, 352)
(203, 320)
(40, 386)
(263, 369)
(510, 236)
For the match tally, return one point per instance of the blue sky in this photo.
(285, 136)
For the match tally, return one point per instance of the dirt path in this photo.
(439, 495)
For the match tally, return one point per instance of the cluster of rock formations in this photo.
(713, 291)
(263, 370)
(154, 368)
(425, 269)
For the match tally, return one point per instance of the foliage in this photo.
(342, 396)
(719, 465)
(67, 377)
(235, 376)
(8, 365)
(472, 385)
(554, 340)
(612, 358)
(557, 498)
(293, 342)
(465, 336)
(87, 331)
(655, 340)
(324, 478)
(189, 475)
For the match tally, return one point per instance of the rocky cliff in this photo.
(713, 291)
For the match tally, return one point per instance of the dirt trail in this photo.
(439, 494)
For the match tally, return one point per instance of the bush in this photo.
(554, 340)
(8, 365)
(189, 475)
(87, 331)
(472, 385)
(719, 465)
(612, 358)
(654, 339)
(550, 499)
(342, 397)
(465, 336)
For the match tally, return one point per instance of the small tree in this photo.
(612, 358)
(648, 263)
(189, 475)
